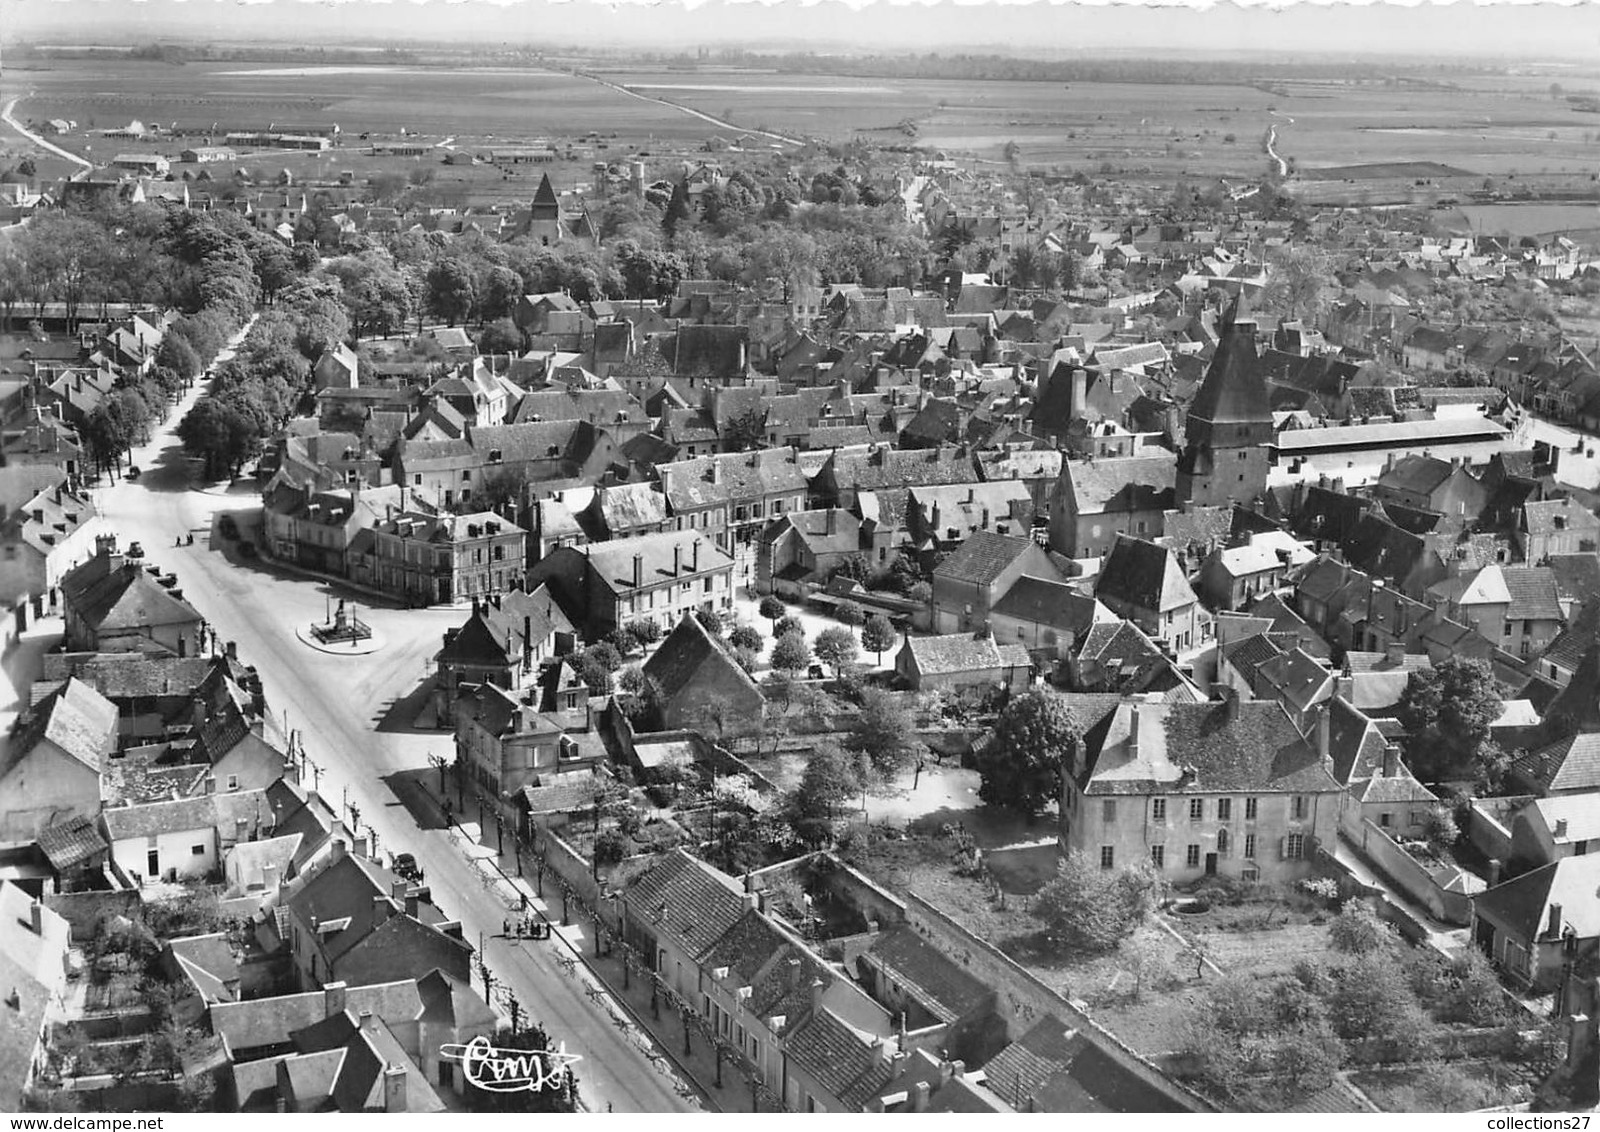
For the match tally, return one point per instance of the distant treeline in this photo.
(934, 65)
(180, 53)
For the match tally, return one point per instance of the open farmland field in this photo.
(1486, 132)
(502, 103)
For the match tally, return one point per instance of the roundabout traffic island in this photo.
(344, 634)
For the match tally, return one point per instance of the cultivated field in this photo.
(1373, 140)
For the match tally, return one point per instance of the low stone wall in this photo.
(1401, 869)
(1488, 825)
(1023, 1000)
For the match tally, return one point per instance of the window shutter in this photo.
(1283, 848)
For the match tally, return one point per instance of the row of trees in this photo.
(144, 254)
(255, 392)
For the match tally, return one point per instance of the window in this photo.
(1294, 847)
(755, 1055)
(1108, 856)
(707, 583)
(1158, 856)
(1385, 819)
(1191, 856)
(705, 1005)
(1224, 809)
(1197, 809)
(1108, 812)
(1299, 807)
(198, 850)
(466, 476)
(233, 782)
(1223, 844)
(417, 479)
(1508, 628)
(1249, 846)
(1243, 456)
(1249, 809)
(1158, 809)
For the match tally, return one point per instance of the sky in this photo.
(1540, 31)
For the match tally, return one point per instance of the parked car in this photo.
(133, 472)
(136, 550)
(405, 867)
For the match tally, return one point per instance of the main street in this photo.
(355, 716)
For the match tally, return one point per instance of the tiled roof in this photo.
(983, 557)
(964, 652)
(1051, 1068)
(1533, 593)
(686, 900)
(935, 979)
(1248, 654)
(683, 655)
(259, 1022)
(880, 466)
(77, 719)
(1558, 516)
(612, 561)
(736, 477)
(71, 842)
(1043, 601)
(1581, 812)
(1232, 745)
(1127, 483)
(1523, 903)
(1144, 575)
(126, 597)
(151, 819)
(1567, 765)
(841, 1060)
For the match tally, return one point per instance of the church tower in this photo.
(1228, 433)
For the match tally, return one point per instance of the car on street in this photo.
(133, 473)
(405, 867)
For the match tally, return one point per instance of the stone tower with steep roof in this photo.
(1228, 434)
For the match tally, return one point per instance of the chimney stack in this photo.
(1324, 729)
(919, 1097)
(36, 918)
(1559, 831)
(333, 999)
(638, 570)
(338, 849)
(817, 987)
(394, 1089)
(1394, 654)
(269, 877)
(1133, 731)
(367, 1021)
(1555, 921)
(677, 560)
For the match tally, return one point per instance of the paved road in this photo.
(336, 702)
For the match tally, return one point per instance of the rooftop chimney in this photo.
(333, 999)
(677, 560)
(36, 916)
(1559, 831)
(1133, 731)
(1394, 654)
(919, 1097)
(366, 1020)
(394, 1089)
(269, 877)
(638, 570)
(1555, 921)
(338, 849)
(817, 987)
(1324, 729)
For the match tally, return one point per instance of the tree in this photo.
(1296, 281)
(677, 211)
(787, 625)
(1022, 764)
(1357, 929)
(451, 290)
(1091, 908)
(500, 337)
(710, 620)
(878, 634)
(791, 653)
(609, 849)
(1447, 711)
(836, 646)
(884, 733)
(745, 637)
(828, 783)
(218, 434)
(1440, 831)
(772, 608)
